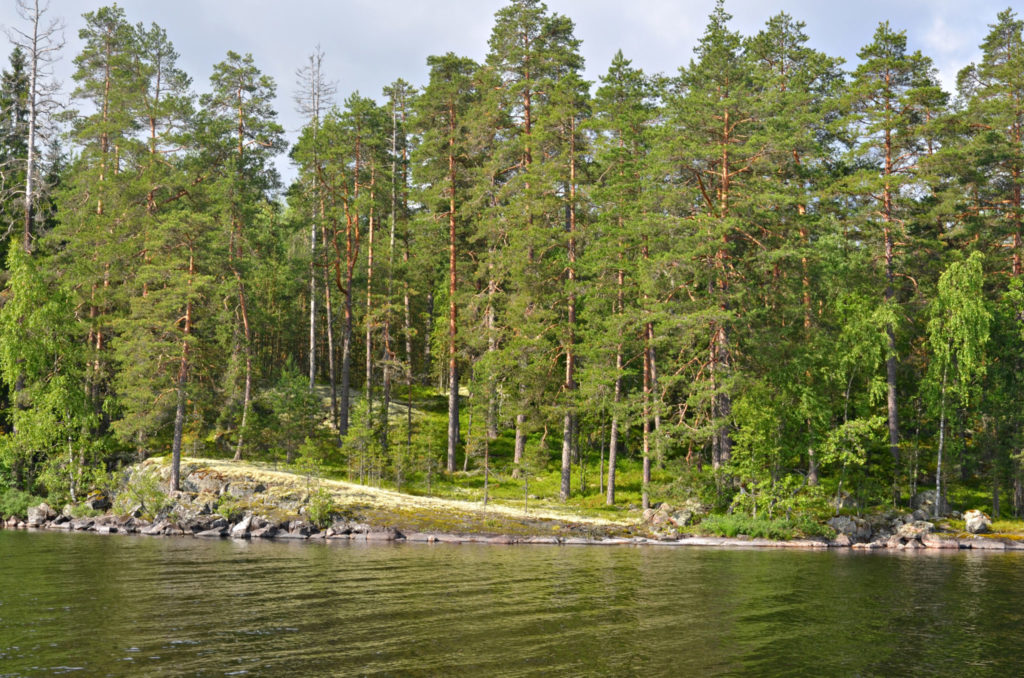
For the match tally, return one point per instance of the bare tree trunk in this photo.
(183, 366)
(329, 326)
(453, 372)
(368, 387)
(312, 304)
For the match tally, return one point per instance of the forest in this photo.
(770, 280)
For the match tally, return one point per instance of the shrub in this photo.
(143, 490)
(229, 508)
(764, 528)
(16, 503)
(321, 508)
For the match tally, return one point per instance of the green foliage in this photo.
(14, 502)
(321, 508)
(764, 528)
(229, 507)
(144, 490)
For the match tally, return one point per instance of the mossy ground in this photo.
(380, 506)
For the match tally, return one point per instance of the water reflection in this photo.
(143, 606)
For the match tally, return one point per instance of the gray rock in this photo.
(83, 524)
(155, 529)
(265, 532)
(241, 530)
(934, 541)
(204, 480)
(244, 489)
(920, 515)
(215, 532)
(841, 540)
(915, 530)
(37, 515)
(106, 529)
(925, 501)
(871, 545)
(977, 522)
(981, 543)
(97, 501)
(857, 529)
(683, 518)
(387, 534)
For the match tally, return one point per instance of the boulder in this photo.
(925, 501)
(37, 515)
(387, 534)
(841, 540)
(934, 541)
(976, 522)
(920, 515)
(156, 528)
(871, 545)
(97, 500)
(266, 532)
(241, 530)
(857, 529)
(915, 530)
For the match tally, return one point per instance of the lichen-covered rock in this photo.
(915, 530)
(204, 481)
(97, 501)
(977, 522)
(244, 489)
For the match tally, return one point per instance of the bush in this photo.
(228, 508)
(764, 528)
(16, 503)
(143, 489)
(321, 508)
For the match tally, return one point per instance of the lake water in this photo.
(97, 605)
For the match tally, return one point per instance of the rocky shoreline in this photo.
(916, 535)
(224, 501)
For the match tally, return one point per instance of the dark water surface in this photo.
(96, 605)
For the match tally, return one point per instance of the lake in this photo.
(99, 605)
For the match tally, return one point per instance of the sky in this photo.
(370, 43)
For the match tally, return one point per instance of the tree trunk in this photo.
(329, 326)
(453, 372)
(942, 442)
(312, 304)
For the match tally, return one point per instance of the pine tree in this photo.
(625, 111)
(443, 165)
(886, 105)
(241, 138)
